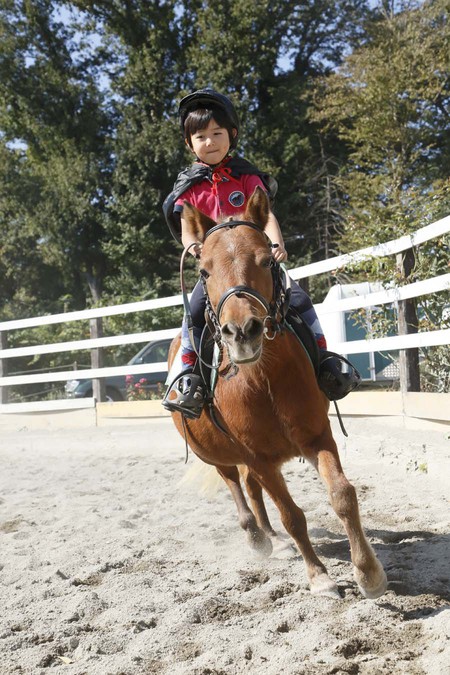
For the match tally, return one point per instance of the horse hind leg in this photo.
(256, 536)
(281, 548)
(368, 571)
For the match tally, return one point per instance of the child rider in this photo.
(220, 185)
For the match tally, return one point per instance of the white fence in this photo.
(434, 285)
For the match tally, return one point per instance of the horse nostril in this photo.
(229, 329)
(253, 328)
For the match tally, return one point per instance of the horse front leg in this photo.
(294, 521)
(257, 537)
(368, 571)
(254, 491)
(281, 548)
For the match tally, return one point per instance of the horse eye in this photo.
(204, 273)
(267, 262)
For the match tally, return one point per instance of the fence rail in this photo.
(426, 233)
(389, 295)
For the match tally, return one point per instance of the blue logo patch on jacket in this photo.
(236, 199)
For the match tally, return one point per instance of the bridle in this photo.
(275, 309)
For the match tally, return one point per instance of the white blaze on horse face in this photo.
(242, 334)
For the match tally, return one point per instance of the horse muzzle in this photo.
(243, 341)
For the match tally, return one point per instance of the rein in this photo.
(278, 306)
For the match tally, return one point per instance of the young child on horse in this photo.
(220, 185)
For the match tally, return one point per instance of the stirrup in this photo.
(337, 376)
(186, 395)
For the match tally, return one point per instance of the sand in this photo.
(110, 566)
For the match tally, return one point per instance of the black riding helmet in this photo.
(207, 98)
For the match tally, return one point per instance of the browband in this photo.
(234, 223)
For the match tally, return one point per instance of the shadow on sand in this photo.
(416, 561)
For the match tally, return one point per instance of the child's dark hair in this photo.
(198, 119)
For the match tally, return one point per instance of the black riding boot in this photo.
(337, 376)
(186, 395)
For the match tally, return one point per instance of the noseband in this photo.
(277, 306)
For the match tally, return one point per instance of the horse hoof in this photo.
(260, 544)
(376, 588)
(322, 585)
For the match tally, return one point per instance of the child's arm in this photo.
(188, 239)
(272, 229)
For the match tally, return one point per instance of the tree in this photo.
(149, 155)
(53, 109)
(26, 277)
(90, 89)
(389, 102)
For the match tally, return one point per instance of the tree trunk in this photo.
(408, 323)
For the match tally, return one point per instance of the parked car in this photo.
(116, 388)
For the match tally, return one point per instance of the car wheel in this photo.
(113, 394)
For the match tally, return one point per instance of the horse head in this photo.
(235, 266)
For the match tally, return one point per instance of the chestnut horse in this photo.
(272, 408)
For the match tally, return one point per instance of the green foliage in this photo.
(388, 102)
(88, 94)
(346, 105)
(51, 105)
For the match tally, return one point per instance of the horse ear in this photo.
(197, 224)
(258, 207)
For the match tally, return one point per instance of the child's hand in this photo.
(279, 253)
(196, 250)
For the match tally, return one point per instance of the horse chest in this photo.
(249, 410)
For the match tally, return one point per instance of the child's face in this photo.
(212, 144)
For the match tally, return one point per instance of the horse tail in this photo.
(204, 477)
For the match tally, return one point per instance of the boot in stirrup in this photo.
(186, 395)
(337, 376)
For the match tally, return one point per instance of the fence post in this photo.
(4, 393)
(408, 323)
(98, 385)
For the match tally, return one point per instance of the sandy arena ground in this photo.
(110, 566)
